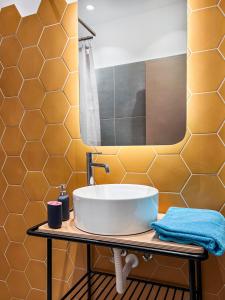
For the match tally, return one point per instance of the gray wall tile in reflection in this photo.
(130, 90)
(108, 132)
(130, 131)
(105, 84)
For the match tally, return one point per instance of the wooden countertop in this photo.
(148, 239)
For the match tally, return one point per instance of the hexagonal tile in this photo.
(204, 191)
(168, 173)
(4, 291)
(36, 295)
(32, 94)
(222, 133)
(53, 41)
(2, 156)
(14, 170)
(222, 293)
(135, 178)
(76, 155)
(108, 150)
(70, 55)
(36, 247)
(37, 279)
(3, 240)
(50, 11)
(57, 171)
(53, 74)
(204, 154)
(3, 213)
(222, 91)
(17, 256)
(69, 20)
(201, 39)
(222, 47)
(175, 275)
(62, 265)
(9, 105)
(76, 181)
(128, 155)
(10, 50)
(10, 82)
(35, 213)
(71, 89)
(202, 3)
(4, 270)
(56, 139)
(55, 107)
(15, 199)
(222, 174)
(9, 20)
(222, 5)
(35, 131)
(27, 69)
(117, 171)
(34, 150)
(205, 113)
(2, 128)
(21, 288)
(13, 141)
(72, 123)
(26, 36)
(166, 200)
(35, 186)
(206, 71)
(15, 227)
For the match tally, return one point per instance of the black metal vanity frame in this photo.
(85, 284)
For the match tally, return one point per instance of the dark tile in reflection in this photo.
(105, 84)
(107, 132)
(130, 131)
(130, 90)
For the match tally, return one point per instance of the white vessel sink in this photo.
(115, 209)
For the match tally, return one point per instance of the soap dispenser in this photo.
(64, 199)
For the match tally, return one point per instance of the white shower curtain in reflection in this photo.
(89, 104)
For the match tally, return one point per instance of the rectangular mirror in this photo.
(132, 71)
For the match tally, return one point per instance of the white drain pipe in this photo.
(131, 262)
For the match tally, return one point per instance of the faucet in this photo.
(91, 164)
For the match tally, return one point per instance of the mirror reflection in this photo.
(132, 71)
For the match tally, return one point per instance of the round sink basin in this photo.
(115, 209)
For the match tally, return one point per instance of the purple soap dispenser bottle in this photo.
(64, 199)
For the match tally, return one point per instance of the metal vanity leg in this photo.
(192, 280)
(89, 270)
(49, 269)
(199, 279)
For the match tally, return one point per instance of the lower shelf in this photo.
(102, 286)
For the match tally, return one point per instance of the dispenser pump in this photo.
(64, 199)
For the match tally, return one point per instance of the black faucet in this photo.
(91, 165)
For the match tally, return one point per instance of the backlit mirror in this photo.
(132, 71)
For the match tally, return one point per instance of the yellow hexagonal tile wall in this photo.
(15, 199)
(36, 295)
(26, 36)
(35, 186)
(10, 82)
(17, 256)
(71, 89)
(21, 288)
(9, 20)
(205, 113)
(204, 154)
(52, 42)
(167, 200)
(32, 94)
(4, 290)
(34, 156)
(69, 20)
(135, 178)
(36, 247)
(174, 174)
(72, 123)
(36, 279)
(10, 50)
(15, 227)
(4, 240)
(35, 131)
(202, 3)
(55, 107)
(13, 141)
(14, 170)
(206, 71)
(145, 155)
(200, 39)
(56, 139)
(9, 105)
(222, 133)
(54, 74)
(50, 15)
(204, 191)
(27, 69)
(70, 55)
(222, 174)
(57, 171)
(4, 270)
(34, 213)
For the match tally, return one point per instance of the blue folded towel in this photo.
(202, 227)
